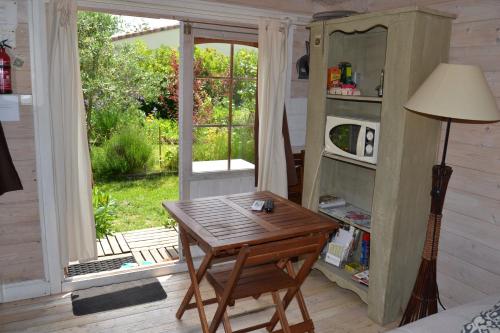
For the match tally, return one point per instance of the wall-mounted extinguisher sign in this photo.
(5, 69)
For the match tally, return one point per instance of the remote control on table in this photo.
(258, 205)
(269, 206)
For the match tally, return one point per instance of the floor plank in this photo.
(106, 247)
(332, 309)
(121, 241)
(114, 244)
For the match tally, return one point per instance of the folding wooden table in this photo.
(223, 225)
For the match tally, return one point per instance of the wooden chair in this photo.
(295, 191)
(265, 269)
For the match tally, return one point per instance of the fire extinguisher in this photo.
(5, 69)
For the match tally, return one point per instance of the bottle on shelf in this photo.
(380, 87)
(365, 250)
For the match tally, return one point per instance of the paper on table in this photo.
(9, 108)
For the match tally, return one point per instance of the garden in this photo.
(131, 102)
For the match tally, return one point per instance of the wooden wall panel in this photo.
(20, 245)
(470, 247)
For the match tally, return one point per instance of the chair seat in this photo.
(254, 280)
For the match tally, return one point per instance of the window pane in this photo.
(242, 146)
(211, 102)
(211, 60)
(245, 61)
(210, 143)
(244, 102)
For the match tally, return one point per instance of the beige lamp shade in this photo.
(456, 91)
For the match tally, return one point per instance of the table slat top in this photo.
(227, 222)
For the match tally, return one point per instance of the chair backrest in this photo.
(294, 247)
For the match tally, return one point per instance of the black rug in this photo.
(100, 299)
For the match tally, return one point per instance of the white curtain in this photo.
(273, 66)
(72, 173)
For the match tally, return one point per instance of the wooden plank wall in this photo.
(469, 258)
(20, 246)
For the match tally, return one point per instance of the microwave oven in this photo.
(353, 138)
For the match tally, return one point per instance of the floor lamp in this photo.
(458, 92)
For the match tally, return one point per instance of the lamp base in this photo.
(425, 294)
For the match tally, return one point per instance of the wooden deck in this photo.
(148, 246)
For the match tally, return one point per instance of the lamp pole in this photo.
(445, 148)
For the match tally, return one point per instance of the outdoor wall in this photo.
(20, 246)
(469, 257)
(168, 36)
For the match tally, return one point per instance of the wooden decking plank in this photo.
(114, 244)
(173, 254)
(122, 242)
(106, 247)
(156, 255)
(100, 252)
(151, 236)
(164, 253)
(138, 257)
(147, 256)
(143, 231)
(152, 242)
(140, 243)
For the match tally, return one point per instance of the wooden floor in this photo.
(333, 310)
(150, 246)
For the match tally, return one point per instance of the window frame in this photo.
(231, 79)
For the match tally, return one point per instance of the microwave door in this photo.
(345, 137)
(360, 147)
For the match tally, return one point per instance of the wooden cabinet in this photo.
(407, 44)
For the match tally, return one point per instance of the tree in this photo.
(94, 42)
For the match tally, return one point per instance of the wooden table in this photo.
(223, 225)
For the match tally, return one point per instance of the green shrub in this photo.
(209, 144)
(109, 119)
(171, 158)
(104, 212)
(125, 153)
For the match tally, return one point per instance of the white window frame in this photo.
(189, 32)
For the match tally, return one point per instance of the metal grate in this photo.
(99, 266)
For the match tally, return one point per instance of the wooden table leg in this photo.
(228, 288)
(195, 279)
(199, 276)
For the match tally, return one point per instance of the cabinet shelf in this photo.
(356, 98)
(350, 160)
(357, 226)
(343, 278)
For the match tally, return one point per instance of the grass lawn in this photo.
(138, 202)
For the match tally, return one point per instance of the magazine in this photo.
(326, 201)
(349, 213)
(362, 277)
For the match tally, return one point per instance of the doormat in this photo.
(98, 266)
(100, 299)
